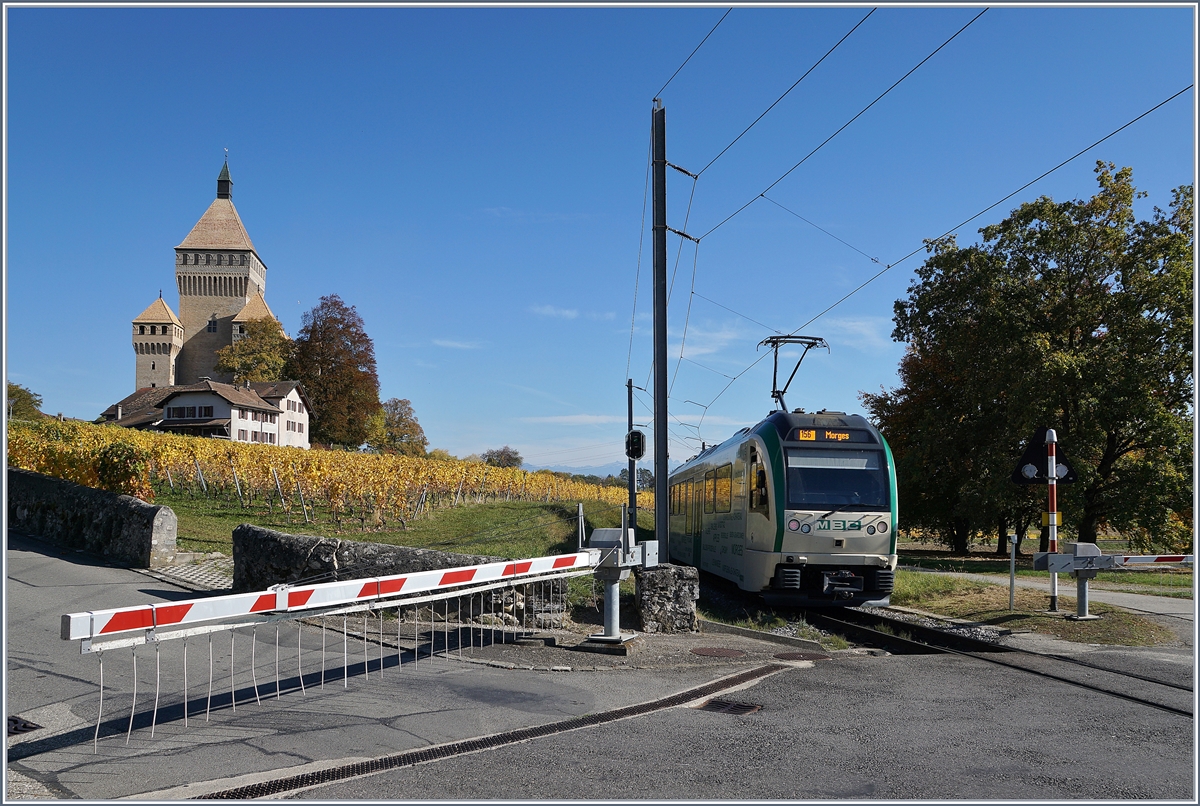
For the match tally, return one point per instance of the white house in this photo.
(271, 413)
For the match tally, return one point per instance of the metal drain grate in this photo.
(718, 652)
(18, 725)
(412, 757)
(727, 707)
(803, 656)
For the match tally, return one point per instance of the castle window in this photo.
(141, 330)
(152, 333)
(152, 365)
(207, 260)
(243, 260)
(212, 324)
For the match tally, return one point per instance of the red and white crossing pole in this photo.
(1052, 506)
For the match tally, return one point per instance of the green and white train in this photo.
(800, 508)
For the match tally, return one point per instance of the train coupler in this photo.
(841, 584)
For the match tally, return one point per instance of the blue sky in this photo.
(472, 180)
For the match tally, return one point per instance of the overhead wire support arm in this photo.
(683, 170)
(773, 342)
(683, 235)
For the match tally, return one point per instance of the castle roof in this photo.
(219, 228)
(256, 308)
(158, 311)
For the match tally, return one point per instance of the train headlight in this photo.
(793, 524)
(883, 527)
(805, 529)
(870, 530)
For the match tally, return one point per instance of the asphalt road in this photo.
(856, 726)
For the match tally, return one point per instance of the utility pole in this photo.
(632, 461)
(659, 117)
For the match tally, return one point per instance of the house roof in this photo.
(280, 389)
(158, 311)
(256, 308)
(240, 396)
(142, 402)
(219, 228)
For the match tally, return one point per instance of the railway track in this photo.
(903, 637)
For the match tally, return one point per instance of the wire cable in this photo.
(789, 89)
(637, 277)
(953, 229)
(827, 232)
(844, 125)
(693, 53)
(735, 313)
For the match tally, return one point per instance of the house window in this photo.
(212, 324)
(191, 412)
(206, 411)
(300, 427)
(241, 434)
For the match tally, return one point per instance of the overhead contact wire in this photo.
(844, 125)
(875, 276)
(787, 92)
(693, 53)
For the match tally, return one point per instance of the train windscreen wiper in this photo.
(840, 507)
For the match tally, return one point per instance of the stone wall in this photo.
(666, 598)
(123, 529)
(262, 558)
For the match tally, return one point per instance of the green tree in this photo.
(1071, 315)
(394, 429)
(23, 404)
(335, 360)
(260, 356)
(503, 457)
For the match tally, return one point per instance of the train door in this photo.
(759, 532)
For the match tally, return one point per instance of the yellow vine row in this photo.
(336, 479)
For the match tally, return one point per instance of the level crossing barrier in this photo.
(495, 593)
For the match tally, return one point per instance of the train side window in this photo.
(710, 491)
(723, 490)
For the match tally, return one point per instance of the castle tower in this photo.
(218, 272)
(157, 340)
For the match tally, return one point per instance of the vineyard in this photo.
(313, 485)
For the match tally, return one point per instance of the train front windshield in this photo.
(818, 478)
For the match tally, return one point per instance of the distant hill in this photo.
(611, 469)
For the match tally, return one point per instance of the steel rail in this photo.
(887, 639)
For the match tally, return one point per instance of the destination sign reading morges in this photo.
(830, 435)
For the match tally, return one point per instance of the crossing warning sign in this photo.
(1032, 467)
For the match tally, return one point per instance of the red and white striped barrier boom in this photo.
(282, 599)
(1185, 559)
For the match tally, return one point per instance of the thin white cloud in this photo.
(576, 419)
(866, 333)
(607, 316)
(457, 345)
(703, 341)
(555, 313)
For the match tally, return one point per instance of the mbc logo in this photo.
(839, 526)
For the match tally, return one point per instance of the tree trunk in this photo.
(961, 536)
(1002, 536)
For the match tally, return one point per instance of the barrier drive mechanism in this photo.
(1084, 560)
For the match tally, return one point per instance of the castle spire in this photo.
(224, 183)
